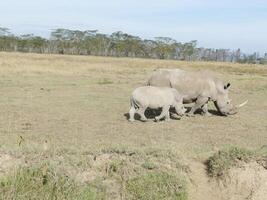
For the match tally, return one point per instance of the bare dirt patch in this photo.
(247, 181)
(8, 162)
(201, 186)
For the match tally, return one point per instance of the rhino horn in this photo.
(242, 104)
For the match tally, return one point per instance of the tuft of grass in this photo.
(114, 167)
(220, 162)
(156, 186)
(262, 156)
(148, 165)
(104, 81)
(42, 182)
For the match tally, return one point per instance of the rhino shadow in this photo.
(151, 114)
(215, 112)
(199, 111)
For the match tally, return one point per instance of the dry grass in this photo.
(61, 102)
(42, 182)
(69, 108)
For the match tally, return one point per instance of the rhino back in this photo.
(189, 84)
(162, 77)
(153, 97)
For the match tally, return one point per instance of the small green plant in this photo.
(156, 186)
(105, 81)
(148, 165)
(42, 182)
(220, 162)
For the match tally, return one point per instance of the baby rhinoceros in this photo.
(155, 97)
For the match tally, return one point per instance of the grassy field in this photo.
(70, 112)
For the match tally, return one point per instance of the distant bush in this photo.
(156, 186)
(220, 162)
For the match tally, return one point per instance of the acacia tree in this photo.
(102, 44)
(165, 47)
(4, 32)
(187, 50)
(133, 46)
(31, 43)
(7, 40)
(118, 45)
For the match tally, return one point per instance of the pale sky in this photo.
(216, 24)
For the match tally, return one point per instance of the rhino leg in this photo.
(199, 103)
(167, 116)
(165, 113)
(205, 110)
(131, 113)
(141, 112)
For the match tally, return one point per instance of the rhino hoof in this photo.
(157, 119)
(190, 115)
(143, 120)
(207, 114)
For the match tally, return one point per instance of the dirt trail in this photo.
(201, 187)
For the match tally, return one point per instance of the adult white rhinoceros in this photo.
(199, 87)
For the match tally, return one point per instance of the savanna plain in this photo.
(64, 133)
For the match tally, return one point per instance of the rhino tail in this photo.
(147, 83)
(133, 103)
(171, 84)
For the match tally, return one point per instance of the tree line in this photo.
(119, 44)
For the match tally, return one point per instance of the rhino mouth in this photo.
(223, 113)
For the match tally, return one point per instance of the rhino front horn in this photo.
(242, 104)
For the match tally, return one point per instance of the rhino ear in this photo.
(227, 86)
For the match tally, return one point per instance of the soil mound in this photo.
(246, 182)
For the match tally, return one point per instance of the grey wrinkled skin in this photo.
(199, 87)
(155, 97)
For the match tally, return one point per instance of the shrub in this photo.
(220, 162)
(156, 186)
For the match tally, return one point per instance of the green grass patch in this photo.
(156, 186)
(220, 162)
(42, 182)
